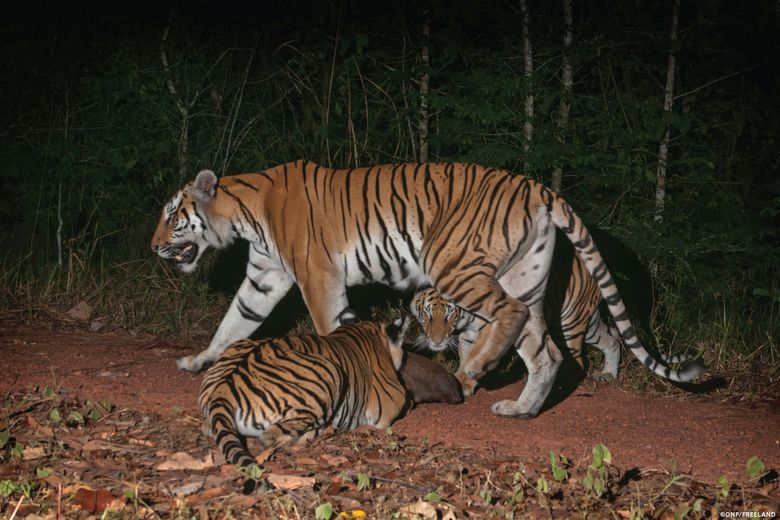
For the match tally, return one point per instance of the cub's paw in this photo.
(190, 364)
(510, 408)
(467, 384)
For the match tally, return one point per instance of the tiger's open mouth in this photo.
(187, 254)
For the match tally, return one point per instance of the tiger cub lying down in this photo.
(289, 389)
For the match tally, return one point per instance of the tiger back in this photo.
(289, 389)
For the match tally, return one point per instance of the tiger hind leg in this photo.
(605, 339)
(542, 359)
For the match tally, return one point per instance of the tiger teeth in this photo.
(180, 256)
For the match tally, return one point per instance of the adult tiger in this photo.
(289, 389)
(483, 237)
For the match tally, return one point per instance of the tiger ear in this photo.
(397, 330)
(205, 186)
(347, 317)
(395, 333)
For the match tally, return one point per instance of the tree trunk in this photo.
(567, 78)
(663, 149)
(422, 124)
(528, 69)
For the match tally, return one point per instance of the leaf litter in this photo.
(133, 464)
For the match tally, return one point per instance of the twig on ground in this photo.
(16, 509)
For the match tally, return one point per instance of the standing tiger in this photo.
(288, 389)
(482, 237)
(580, 321)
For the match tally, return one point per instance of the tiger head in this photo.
(438, 318)
(189, 223)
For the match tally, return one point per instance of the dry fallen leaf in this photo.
(94, 501)
(421, 508)
(188, 487)
(32, 453)
(289, 482)
(335, 460)
(181, 460)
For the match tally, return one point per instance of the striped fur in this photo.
(482, 237)
(288, 389)
(445, 325)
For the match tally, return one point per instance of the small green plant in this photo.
(363, 481)
(595, 480)
(9, 487)
(17, 451)
(75, 419)
(324, 511)
(486, 495)
(559, 473)
(724, 486)
(518, 489)
(55, 416)
(542, 486)
(253, 472)
(5, 436)
(755, 468)
(432, 496)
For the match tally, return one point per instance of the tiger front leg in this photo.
(505, 318)
(325, 296)
(255, 299)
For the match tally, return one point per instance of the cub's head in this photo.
(438, 318)
(187, 226)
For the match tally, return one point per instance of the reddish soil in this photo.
(695, 434)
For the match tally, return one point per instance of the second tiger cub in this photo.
(287, 389)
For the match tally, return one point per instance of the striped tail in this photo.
(220, 419)
(566, 220)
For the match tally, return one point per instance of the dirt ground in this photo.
(696, 434)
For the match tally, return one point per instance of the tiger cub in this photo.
(445, 325)
(577, 314)
(289, 389)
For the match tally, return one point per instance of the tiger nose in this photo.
(154, 247)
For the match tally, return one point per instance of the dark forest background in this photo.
(108, 107)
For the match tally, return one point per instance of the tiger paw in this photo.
(510, 408)
(467, 383)
(190, 364)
